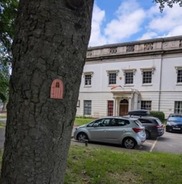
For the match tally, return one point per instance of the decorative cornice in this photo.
(148, 69)
(129, 70)
(158, 46)
(112, 71)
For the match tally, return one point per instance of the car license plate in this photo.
(174, 128)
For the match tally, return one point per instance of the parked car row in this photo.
(128, 131)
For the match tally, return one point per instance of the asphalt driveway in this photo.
(169, 143)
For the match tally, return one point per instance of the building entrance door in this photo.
(123, 107)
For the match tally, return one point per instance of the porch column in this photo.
(116, 107)
(129, 104)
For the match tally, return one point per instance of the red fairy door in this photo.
(57, 89)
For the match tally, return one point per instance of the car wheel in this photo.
(129, 143)
(82, 137)
(147, 134)
(168, 130)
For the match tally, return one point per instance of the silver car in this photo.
(127, 132)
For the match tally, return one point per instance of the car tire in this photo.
(129, 143)
(82, 137)
(148, 136)
(168, 130)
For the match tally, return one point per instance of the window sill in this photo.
(87, 86)
(150, 84)
(178, 84)
(128, 85)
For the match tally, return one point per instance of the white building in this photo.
(135, 75)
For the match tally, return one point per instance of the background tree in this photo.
(4, 86)
(169, 3)
(50, 43)
(8, 11)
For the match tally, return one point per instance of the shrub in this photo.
(158, 114)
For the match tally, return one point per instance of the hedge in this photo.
(158, 114)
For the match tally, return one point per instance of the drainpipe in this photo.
(160, 83)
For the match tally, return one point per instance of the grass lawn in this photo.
(3, 115)
(82, 120)
(2, 125)
(89, 165)
(103, 166)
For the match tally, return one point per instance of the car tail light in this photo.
(159, 126)
(136, 130)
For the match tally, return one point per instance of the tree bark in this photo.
(50, 43)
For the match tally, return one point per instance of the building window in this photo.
(179, 76)
(147, 77)
(110, 105)
(87, 107)
(146, 105)
(178, 107)
(88, 80)
(128, 77)
(112, 78)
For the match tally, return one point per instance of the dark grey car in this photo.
(141, 112)
(153, 126)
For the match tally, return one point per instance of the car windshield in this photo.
(175, 119)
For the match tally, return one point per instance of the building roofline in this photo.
(163, 39)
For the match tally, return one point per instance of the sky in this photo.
(118, 21)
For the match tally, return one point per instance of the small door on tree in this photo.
(57, 89)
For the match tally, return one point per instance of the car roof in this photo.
(121, 117)
(139, 110)
(142, 117)
(175, 115)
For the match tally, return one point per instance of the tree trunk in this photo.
(50, 43)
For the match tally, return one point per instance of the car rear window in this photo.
(145, 121)
(138, 123)
(158, 121)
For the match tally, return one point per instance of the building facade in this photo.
(144, 74)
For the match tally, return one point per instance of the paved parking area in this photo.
(169, 143)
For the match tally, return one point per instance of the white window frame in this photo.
(179, 68)
(148, 104)
(143, 70)
(112, 72)
(87, 107)
(88, 82)
(126, 71)
(178, 107)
